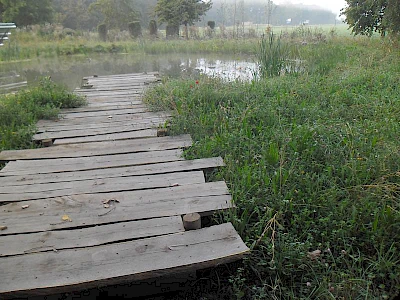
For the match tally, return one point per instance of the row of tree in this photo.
(88, 14)
(364, 17)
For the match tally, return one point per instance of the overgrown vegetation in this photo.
(19, 112)
(313, 163)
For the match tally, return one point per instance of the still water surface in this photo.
(70, 70)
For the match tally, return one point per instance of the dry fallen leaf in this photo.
(66, 218)
(110, 200)
(24, 206)
(3, 228)
(314, 254)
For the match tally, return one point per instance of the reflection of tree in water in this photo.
(180, 67)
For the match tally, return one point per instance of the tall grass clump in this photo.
(313, 164)
(274, 56)
(19, 112)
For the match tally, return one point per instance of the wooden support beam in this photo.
(47, 142)
(192, 221)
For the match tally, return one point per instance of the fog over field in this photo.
(331, 5)
(277, 13)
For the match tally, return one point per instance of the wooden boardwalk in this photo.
(104, 204)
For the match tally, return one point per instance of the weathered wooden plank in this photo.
(116, 79)
(103, 106)
(44, 166)
(89, 236)
(117, 86)
(87, 209)
(99, 148)
(137, 134)
(120, 81)
(115, 112)
(111, 93)
(56, 133)
(122, 262)
(108, 79)
(117, 101)
(92, 186)
(112, 99)
(13, 182)
(147, 75)
(59, 127)
(105, 119)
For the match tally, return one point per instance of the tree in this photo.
(181, 12)
(26, 12)
(369, 16)
(116, 13)
(75, 14)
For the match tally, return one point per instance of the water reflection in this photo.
(70, 70)
(227, 69)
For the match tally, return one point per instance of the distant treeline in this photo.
(88, 14)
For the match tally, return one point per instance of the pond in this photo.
(70, 70)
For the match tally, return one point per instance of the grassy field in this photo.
(313, 163)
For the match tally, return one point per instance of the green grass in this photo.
(313, 163)
(19, 112)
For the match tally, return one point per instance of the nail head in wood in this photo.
(47, 142)
(192, 221)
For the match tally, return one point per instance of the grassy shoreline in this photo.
(39, 43)
(312, 161)
(19, 112)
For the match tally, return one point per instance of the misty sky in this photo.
(333, 5)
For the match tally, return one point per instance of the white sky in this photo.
(333, 5)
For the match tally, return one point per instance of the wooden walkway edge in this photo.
(105, 203)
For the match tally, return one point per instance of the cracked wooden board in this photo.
(21, 168)
(125, 135)
(88, 236)
(87, 209)
(99, 148)
(74, 269)
(93, 127)
(49, 190)
(179, 165)
(145, 116)
(87, 132)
